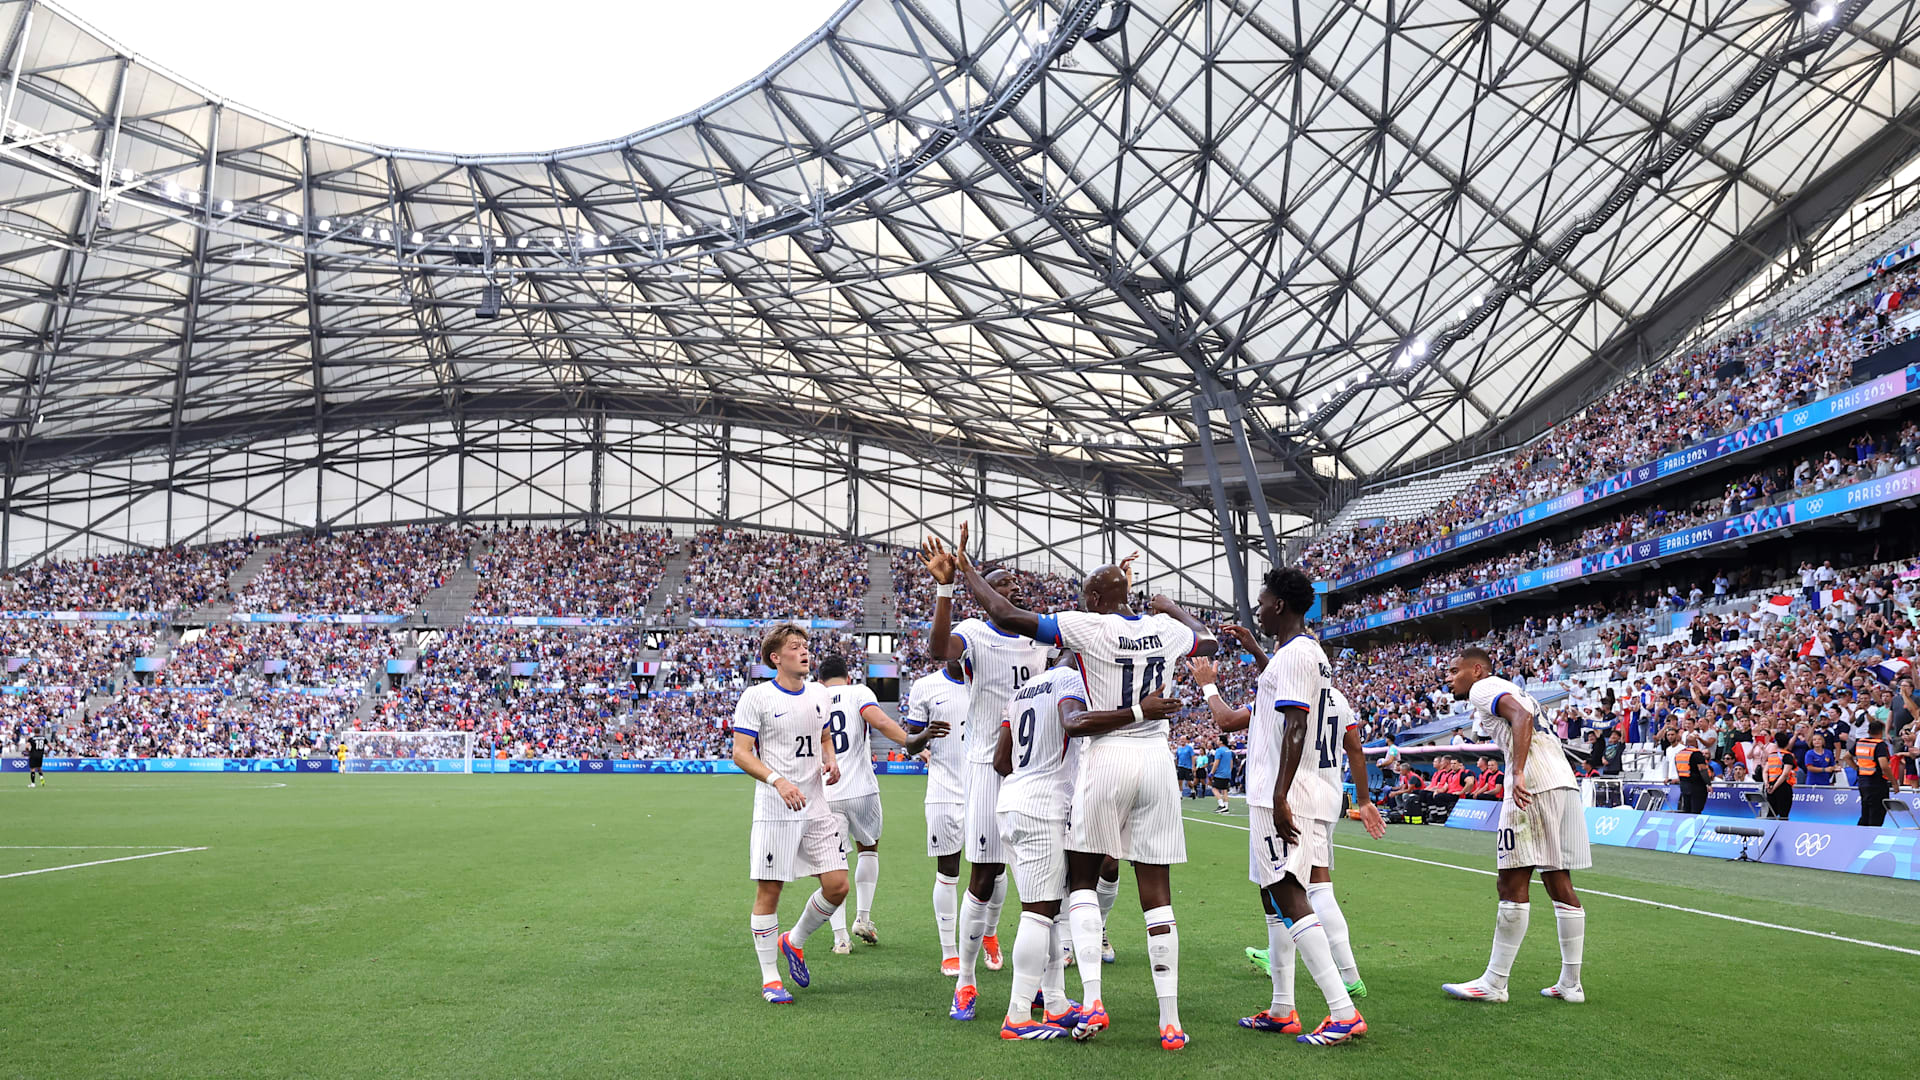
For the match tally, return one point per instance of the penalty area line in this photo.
(100, 862)
(1609, 895)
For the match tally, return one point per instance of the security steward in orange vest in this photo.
(1777, 779)
(1873, 768)
(1690, 769)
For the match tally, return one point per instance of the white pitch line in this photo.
(99, 862)
(1608, 895)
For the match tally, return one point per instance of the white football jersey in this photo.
(1296, 677)
(1547, 766)
(997, 664)
(787, 727)
(847, 727)
(1123, 658)
(937, 697)
(1325, 751)
(1045, 761)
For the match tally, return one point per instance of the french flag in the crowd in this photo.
(1777, 605)
(1889, 670)
(1826, 598)
(1887, 301)
(1813, 646)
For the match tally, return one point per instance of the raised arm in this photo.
(1205, 644)
(1248, 641)
(1225, 716)
(1001, 611)
(941, 644)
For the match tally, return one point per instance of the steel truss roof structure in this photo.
(1062, 232)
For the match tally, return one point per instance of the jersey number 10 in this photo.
(1153, 677)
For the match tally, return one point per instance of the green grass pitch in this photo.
(548, 926)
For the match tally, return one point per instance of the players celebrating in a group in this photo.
(1291, 808)
(1542, 827)
(781, 739)
(1126, 802)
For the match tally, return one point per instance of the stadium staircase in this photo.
(243, 575)
(671, 577)
(450, 604)
(876, 611)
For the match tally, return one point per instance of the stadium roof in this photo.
(971, 226)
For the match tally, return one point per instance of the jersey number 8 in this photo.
(837, 723)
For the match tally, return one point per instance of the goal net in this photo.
(408, 751)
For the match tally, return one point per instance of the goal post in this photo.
(408, 751)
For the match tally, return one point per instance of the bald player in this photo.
(1126, 800)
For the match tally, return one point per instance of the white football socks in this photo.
(766, 945)
(1083, 916)
(839, 924)
(1030, 948)
(946, 912)
(812, 917)
(1311, 939)
(1572, 922)
(973, 927)
(1053, 984)
(995, 903)
(1320, 895)
(1280, 965)
(1163, 953)
(1108, 892)
(866, 878)
(1509, 930)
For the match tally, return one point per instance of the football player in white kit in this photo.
(996, 663)
(780, 738)
(937, 706)
(1286, 797)
(855, 798)
(1039, 759)
(1126, 802)
(1542, 827)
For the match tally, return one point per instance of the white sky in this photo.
(463, 76)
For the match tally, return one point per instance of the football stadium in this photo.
(1161, 452)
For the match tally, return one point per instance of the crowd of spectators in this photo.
(367, 571)
(734, 574)
(39, 709)
(706, 659)
(482, 655)
(1868, 456)
(1692, 396)
(230, 655)
(166, 580)
(543, 571)
(84, 655)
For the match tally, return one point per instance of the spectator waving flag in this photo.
(1889, 670)
(1826, 598)
(1887, 301)
(1777, 605)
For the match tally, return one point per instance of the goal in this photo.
(408, 751)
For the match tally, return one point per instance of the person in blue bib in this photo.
(1183, 768)
(1222, 776)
